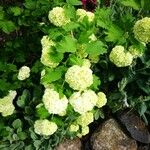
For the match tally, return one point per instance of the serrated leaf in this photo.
(74, 2)
(67, 44)
(96, 83)
(115, 34)
(15, 10)
(71, 26)
(7, 26)
(135, 4)
(75, 60)
(96, 48)
(42, 112)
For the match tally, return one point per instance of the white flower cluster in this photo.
(45, 127)
(46, 50)
(142, 30)
(119, 57)
(6, 104)
(58, 17)
(79, 77)
(136, 52)
(81, 13)
(102, 100)
(24, 73)
(53, 103)
(83, 102)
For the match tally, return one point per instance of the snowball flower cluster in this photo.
(53, 103)
(85, 119)
(81, 13)
(119, 57)
(58, 17)
(6, 104)
(142, 30)
(102, 100)
(136, 52)
(24, 73)
(83, 102)
(45, 127)
(74, 128)
(79, 77)
(46, 51)
(86, 63)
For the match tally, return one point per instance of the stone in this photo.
(110, 137)
(135, 126)
(68, 144)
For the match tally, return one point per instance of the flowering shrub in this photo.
(62, 64)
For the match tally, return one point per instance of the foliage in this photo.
(23, 24)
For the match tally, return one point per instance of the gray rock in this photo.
(110, 137)
(67, 144)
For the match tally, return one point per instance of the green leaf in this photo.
(30, 4)
(115, 34)
(135, 4)
(52, 75)
(7, 26)
(1, 13)
(15, 10)
(67, 44)
(74, 60)
(96, 48)
(71, 26)
(17, 124)
(103, 17)
(96, 83)
(74, 2)
(22, 135)
(145, 4)
(42, 112)
(23, 98)
(143, 109)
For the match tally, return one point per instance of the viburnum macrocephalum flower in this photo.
(6, 104)
(45, 127)
(83, 102)
(79, 77)
(119, 57)
(74, 128)
(102, 100)
(84, 131)
(85, 119)
(135, 51)
(81, 13)
(24, 73)
(142, 30)
(58, 17)
(53, 103)
(46, 51)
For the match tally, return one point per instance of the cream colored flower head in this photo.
(141, 30)
(81, 13)
(85, 119)
(119, 57)
(6, 104)
(45, 127)
(79, 77)
(24, 73)
(58, 17)
(136, 52)
(74, 128)
(83, 102)
(102, 100)
(46, 51)
(53, 103)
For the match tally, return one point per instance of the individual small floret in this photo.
(24, 73)
(142, 30)
(74, 128)
(79, 77)
(102, 100)
(119, 57)
(45, 127)
(83, 102)
(58, 17)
